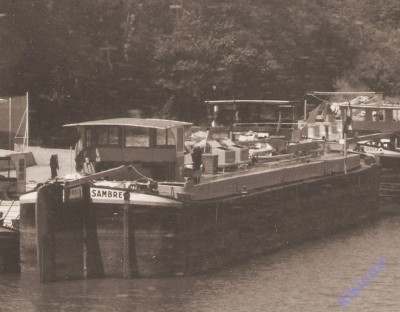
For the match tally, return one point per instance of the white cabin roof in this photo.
(133, 122)
(261, 102)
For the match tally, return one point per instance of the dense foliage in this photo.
(91, 59)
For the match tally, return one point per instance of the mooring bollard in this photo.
(127, 268)
(85, 208)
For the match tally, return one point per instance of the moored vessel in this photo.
(153, 217)
(386, 151)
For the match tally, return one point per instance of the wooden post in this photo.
(92, 263)
(305, 109)
(214, 123)
(45, 267)
(9, 125)
(345, 151)
(27, 123)
(85, 218)
(126, 261)
(48, 197)
(279, 121)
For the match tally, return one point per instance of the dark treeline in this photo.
(92, 59)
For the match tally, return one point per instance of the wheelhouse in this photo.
(368, 111)
(380, 117)
(154, 146)
(271, 116)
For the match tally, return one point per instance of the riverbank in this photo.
(40, 172)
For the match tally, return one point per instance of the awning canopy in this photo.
(133, 122)
(269, 102)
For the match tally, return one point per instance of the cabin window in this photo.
(165, 137)
(396, 115)
(137, 137)
(358, 114)
(170, 138)
(179, 140)
(161, 137)
(88, 137)
(225, 115)
(107, 136)
(102, 136)
(113, 136)
(265, 114)
(378, 115)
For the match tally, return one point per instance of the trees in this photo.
(91, 59)
(372, 29)
(248, 49)
(212, 53)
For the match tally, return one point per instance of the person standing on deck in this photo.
(197, 153)
(54, 166)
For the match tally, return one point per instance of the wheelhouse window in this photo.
(179, 139)
(88, 137)
(165, 137)
(137, 137)
(113, 136)
(108, 136)
(358, 114)
(265, 114)
(170, 138)
(396, 115)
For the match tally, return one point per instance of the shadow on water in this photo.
(306, 277)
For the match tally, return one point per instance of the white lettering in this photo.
(97, 193)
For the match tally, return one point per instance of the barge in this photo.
(149, 217)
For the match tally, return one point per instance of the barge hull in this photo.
(139, 240)
(9, 250)
(236, 228)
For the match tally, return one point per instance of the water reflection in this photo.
(309, 277)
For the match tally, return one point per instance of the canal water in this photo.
(310, 277)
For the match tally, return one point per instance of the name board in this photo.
(370, 149)
(98, 193)
(76, 192)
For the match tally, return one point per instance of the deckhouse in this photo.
(374, 117)
(154, 146)
(256, 115)
(368, 111)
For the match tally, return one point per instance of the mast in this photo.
(27, 120)
(9, 124)
(305, 109)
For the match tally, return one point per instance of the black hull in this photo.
(9, 250)
(234, 229)
(390, 162)
(389, 191)
(102, 240)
